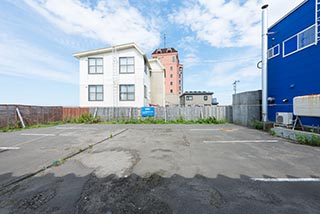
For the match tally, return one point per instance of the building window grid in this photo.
(127, 92)
(274, 51)
(304, 39)
(95, 93)
(95, 65)
(126, 65)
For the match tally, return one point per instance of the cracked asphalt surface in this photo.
(156, 169)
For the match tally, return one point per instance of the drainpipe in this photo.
(264, 54)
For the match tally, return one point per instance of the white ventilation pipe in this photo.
(264, 54)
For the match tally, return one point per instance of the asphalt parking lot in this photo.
(156, 169)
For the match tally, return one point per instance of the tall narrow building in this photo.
(174, 73)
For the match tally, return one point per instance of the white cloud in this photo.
(113, 22)
(220, 23)
(229, 23)
(18, 58)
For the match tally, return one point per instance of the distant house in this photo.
(294, 59)
(174, 73)
(157, 83)
(117, 76)
(196, 98)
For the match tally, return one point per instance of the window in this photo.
(171, 68)
(189, 98)
(126, 93)
(300, 41)
(145, 92)
(179, 82)
(95, 92)
(274, 51)
(173, 58)
(126, 65)
(205, 98)
(307, 37)
(171, 83)
(171, 75)
(95, 65)
(171, 91)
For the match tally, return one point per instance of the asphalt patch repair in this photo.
(152, 195)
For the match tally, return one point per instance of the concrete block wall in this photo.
(246, 107)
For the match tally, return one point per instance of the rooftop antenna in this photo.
(164, 40)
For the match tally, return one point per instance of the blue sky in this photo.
(218, 42)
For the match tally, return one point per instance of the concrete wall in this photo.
(246, 107)
(172, 100)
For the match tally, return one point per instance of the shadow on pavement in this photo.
(156, 194)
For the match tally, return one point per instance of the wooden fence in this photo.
(168, 113)
(33, 115)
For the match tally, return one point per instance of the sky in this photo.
(219, 42)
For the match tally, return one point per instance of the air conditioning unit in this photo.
(284, 118)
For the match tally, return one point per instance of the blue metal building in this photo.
(294, 59)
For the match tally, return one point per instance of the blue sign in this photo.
(147, 111)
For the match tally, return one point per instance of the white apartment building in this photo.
(117, 76)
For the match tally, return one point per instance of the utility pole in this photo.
(235, 86)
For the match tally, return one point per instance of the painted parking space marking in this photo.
(221, 129)
(286, 179)
(242, 141)
(36, 134)
(9, 148)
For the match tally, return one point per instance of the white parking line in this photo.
(286, 179)
(242, 141)
(221, 129)
(35, 134)
(9, 148)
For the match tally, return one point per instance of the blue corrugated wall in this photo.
(297, 74)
